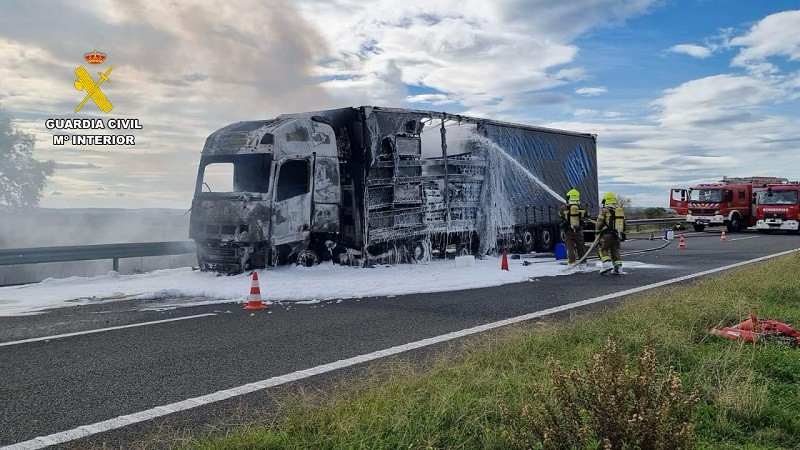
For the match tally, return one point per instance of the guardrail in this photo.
(659, 220)
(662, 220)
(113, 252)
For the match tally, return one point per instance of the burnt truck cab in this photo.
(267, 192)
(779, 208)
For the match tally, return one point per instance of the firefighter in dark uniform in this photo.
(611, 227)
(573, 217)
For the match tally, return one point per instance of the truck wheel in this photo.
(307, 258)
(528, 241)
(420, 252)
(546, 238)
(698, 227)
(735, 224)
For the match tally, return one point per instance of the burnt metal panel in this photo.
(408, 146)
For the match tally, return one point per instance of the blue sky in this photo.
(678, 92)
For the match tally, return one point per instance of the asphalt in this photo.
(56, 385)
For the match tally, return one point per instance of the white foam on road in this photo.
(184, 287)
(160, 411)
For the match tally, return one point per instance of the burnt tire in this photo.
(307, 258)
(528, 241)
(546, 239)
(698, 227)
(421, 251)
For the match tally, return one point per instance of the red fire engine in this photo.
(778, 208)
(730, 202)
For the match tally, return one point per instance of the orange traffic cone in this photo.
(255, 295)
(723, 237)
(682, 242)
(504, 262)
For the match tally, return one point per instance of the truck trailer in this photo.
(364, 185)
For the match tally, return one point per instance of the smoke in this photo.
(253, 57)
(55, 227)
(59, 227)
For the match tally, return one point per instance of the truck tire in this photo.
(546, 239)
(528, 241)
(420, 252)
(307, 258)
(698, 227)
(735, 224)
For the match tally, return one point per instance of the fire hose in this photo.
(635, 252)
(754, 330)
(583, 258)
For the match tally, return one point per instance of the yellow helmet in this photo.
(609, 198)
(573, 195)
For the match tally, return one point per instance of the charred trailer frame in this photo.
(369, 184)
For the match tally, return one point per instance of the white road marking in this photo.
(743, 238)
(129, 419)
(101, 330)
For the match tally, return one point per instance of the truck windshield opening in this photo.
(706, 195)
(777, 197)
(235, 173)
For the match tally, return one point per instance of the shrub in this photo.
(610, 405)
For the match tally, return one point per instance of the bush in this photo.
(609, 405)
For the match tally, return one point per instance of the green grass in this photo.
(750, 394)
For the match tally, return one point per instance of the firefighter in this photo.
(611, 227)
(573, 217)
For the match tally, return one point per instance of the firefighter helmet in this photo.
(609, 198)
(574, 196)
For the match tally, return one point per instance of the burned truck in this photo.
(366, 185)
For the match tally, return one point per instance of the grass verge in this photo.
(750, 394)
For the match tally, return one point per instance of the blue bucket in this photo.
(561, 251)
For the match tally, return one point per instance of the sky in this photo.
(677, 92)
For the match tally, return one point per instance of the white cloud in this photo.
(476, 51)
(594, 113)
(703, 129)
(383, 87)
(698, 51)
(718, 100)
(591, 91)
(774, 35)
(434, 99)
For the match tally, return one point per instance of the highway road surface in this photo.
(110, 372)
